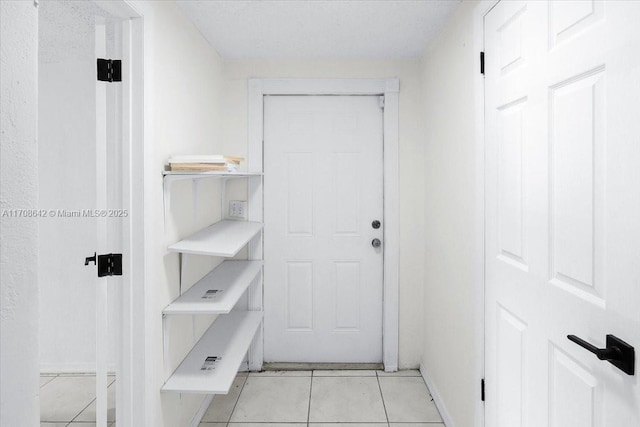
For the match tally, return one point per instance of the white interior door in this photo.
(109, 226)
(562, 211)
(323, 189)
(82, 173)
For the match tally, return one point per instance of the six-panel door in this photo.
(562, 135)
(323, 189)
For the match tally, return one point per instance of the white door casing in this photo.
(323, 189)
(257, 89)
(562, 207)
(112, 221)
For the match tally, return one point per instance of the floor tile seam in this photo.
(84, 409)
(384, 405)
(237, 400)
(310, 395)
(344, 376)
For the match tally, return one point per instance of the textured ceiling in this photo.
(319, 29)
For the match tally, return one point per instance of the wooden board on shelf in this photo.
(198, 167)
(217, 292)
(224, 238)
(211, 174)
(213, 363)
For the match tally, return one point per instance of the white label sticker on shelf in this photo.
(212, 294)
(210, 363)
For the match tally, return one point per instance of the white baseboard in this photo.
(437, 399)
(195, 421)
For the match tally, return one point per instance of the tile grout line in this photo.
(382, 397)
(310, 391)
(237, 400)
(83, 409)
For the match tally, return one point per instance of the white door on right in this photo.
(562, 140)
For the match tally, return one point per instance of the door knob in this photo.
(618, 353)
(376, 243)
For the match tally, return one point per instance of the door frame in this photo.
(481, 10)
(132, 402)
(390, 88)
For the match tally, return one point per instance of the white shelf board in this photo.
(210, 174)
(229, 281)
(224, 238)
(228, 338)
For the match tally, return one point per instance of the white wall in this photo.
(411, 164)
(450, 351)
(183, 98)
(198, 104)
(18, 190)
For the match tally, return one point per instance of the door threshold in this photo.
(288, 366)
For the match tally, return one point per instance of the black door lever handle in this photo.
(609, 353)
(618, 353)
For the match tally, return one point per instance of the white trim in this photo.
(132, 396)
(479, 262)
(390, 320)
(255, 213)
(390, 88)
(437, 399)
(138, 243)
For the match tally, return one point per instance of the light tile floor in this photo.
(273, 399)
(69, 400)
(325, 399)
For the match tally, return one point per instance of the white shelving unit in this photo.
(224, 238)
(169, 177)
(213, 362)
(217, 292)
(227, 340)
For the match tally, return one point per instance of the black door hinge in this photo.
(481, 62)
(482, 389)
(108, 264)
(109, 70)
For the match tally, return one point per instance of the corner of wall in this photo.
(184, 117)
(450, 257)
(437, 397)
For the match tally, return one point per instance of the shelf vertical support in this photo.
(255, 291)
(194, 194)
(165, 345)
(223, 198)
(166, 199)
